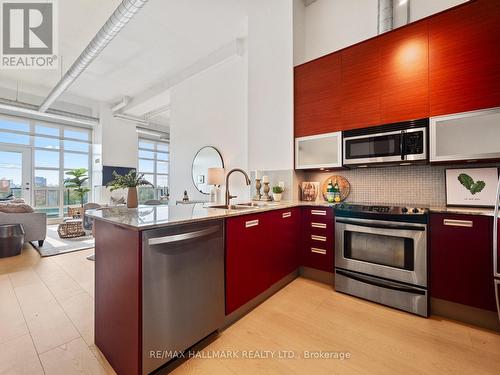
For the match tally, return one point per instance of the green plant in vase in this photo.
(277, 193)
(129, 181)
(78, 178)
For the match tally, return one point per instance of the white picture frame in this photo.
(471, 187)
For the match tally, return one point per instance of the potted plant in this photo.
(130, 181)
(76, 182)
(277, 193)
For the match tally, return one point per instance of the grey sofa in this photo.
(34, 224)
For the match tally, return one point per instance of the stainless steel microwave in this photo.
(399, 143)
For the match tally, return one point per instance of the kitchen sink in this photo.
(243, 206)
(232, 207)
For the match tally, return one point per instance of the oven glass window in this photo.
(386, 145)
(397, 252)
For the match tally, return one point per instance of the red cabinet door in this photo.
(317, 96)
(284, 235)
(317, 243)
(462, 260)
(464, 58)
(361, 85)
(247, 259)
(405, 73)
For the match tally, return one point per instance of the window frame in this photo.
(60, 137)
(155, 160)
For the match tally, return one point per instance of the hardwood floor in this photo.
(46, 327)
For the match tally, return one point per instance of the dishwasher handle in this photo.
(183, 236)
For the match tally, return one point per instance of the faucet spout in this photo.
(228, 194)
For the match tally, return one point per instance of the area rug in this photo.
(54, 245)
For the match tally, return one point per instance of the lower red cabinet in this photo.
(318, 238)
(260, 250)
(284, 236)
(462, 260)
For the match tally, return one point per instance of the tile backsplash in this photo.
(421, 185)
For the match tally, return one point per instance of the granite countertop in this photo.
(462, 210)
(148, 217)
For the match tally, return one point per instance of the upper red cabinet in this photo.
(361, 85)
(317, 96)
(405, 73)
(464, 58)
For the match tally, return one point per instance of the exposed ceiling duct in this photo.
(120, 17)
(393, 14)
(385, 16)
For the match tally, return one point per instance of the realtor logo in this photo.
(29, 34)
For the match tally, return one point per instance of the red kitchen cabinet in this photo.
(318, 240)
(361, 85)
(247, 259)
(317, 96)
(464, 58)
(461, 260)
(261, 249)
(284, 236)
(405, 73)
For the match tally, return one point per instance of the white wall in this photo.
(330, 25)
(209, 109)
(118, 139)
(270, 85)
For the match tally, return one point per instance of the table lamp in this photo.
(215, 177)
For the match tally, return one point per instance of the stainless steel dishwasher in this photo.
(182, 289)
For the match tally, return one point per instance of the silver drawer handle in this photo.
(286, 214)
(182, 237)
(318, 225)
(251, 223)
(318, 238)
(318, 251)
(318, 212)
(458, 223)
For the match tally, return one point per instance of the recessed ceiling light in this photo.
(402, 2)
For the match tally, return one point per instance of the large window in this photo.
(154, 159)
(55, 150)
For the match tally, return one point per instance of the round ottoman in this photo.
(11, 240)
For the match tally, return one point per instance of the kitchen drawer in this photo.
(318, 255)
(318, 214)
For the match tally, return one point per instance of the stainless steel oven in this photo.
(381, 255)
(400, 143)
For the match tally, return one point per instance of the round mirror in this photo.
(207, 157)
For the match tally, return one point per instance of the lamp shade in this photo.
(215, 176)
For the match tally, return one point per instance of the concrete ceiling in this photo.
(164, 38)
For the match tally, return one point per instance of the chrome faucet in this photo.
(228, 194)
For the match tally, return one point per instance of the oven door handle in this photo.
(381, 226)
(380, 283)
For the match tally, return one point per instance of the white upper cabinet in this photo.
(319, 151)
(465, 136)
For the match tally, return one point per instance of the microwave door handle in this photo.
(403, 145)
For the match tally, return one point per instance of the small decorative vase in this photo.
(277, 197)
(132, 197)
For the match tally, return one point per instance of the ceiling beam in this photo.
(234, 48)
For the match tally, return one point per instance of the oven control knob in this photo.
(415, 210)
(404, 210)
